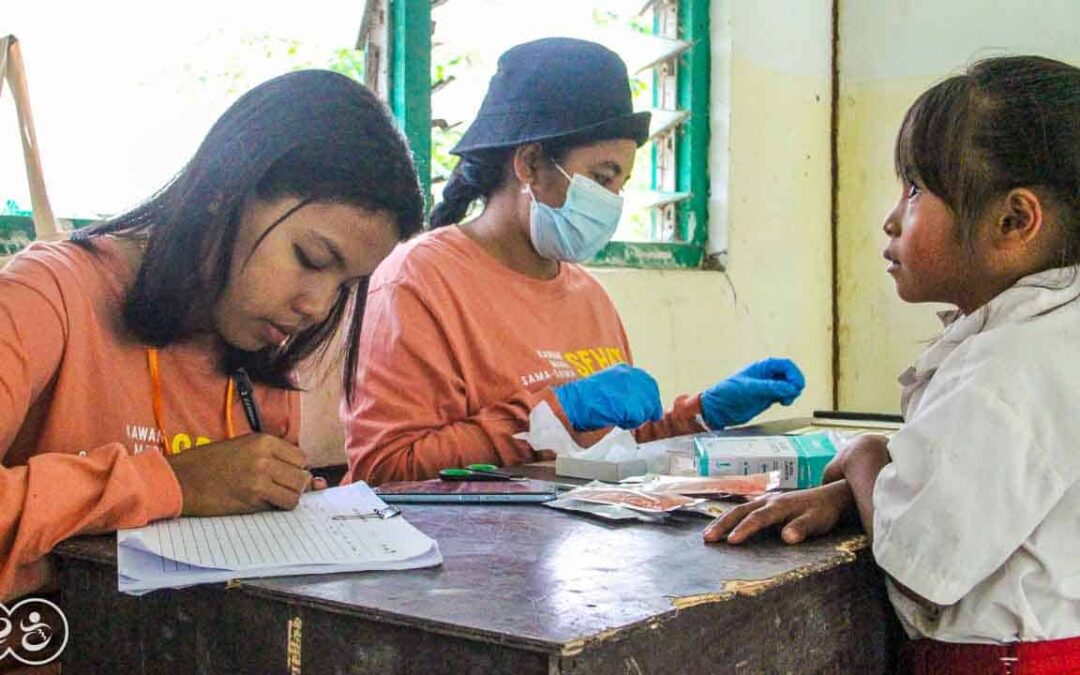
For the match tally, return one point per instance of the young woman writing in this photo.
(118, 350)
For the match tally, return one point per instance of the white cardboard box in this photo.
(611, 472)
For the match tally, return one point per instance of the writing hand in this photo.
(249, 473)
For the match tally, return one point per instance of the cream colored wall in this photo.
(771, 174)
(889, 53)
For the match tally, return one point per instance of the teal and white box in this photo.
(801, 460)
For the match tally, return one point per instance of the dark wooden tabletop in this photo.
(537, 575)
(545, 580)
(532, 574)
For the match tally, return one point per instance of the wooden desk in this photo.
(523, 589)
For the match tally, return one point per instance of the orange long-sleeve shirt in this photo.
(80, 449)
(457, 349)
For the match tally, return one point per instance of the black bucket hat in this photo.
(555, 88)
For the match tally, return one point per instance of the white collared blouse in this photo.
(979, 511)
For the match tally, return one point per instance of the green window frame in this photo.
(17, 231)
(409, 96)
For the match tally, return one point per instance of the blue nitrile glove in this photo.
(621, 396)
(749, 392)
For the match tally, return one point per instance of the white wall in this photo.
(890, 51)
(771, 182)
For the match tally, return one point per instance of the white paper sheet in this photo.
(547, 432)
(307, 540)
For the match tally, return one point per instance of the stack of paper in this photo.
(307, 540)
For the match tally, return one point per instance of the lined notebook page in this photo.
(307, 535)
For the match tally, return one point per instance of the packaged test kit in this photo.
(710, 487)
(617, 502)
(801, 460)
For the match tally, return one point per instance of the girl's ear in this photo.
(1020, 220)
(527, 160)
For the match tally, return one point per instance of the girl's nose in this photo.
(892, 222)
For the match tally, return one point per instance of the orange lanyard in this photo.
(156, 398)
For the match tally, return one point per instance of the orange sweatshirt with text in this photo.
(456, 350)
(81, 452)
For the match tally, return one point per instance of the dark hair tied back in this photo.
(480, 173)
(477, 176)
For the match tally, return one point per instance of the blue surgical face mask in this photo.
(577, 230)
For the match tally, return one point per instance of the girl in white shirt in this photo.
(974, 505)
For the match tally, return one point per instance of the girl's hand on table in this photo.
(801, 514)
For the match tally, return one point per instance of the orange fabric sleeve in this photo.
(411, 415)
(105, 490)
(58, 495)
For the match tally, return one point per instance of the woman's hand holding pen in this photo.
(245, 474)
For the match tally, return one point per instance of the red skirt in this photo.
(1050, 657)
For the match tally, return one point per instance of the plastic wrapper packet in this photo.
(716, 487)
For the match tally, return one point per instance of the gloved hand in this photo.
(622, 396)
(749, 392)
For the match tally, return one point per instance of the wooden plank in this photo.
(179, 631)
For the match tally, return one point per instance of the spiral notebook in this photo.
(342, 529)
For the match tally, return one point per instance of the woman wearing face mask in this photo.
(119, 351)
(472, 325)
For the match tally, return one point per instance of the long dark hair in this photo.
(314, 135)
(1005, 123)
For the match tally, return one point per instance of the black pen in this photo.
(859, 416)
(247, 399)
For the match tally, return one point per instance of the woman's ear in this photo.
(1020, 220)
(527, 160)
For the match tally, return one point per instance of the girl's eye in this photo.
(912, 189)
(305, 261)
